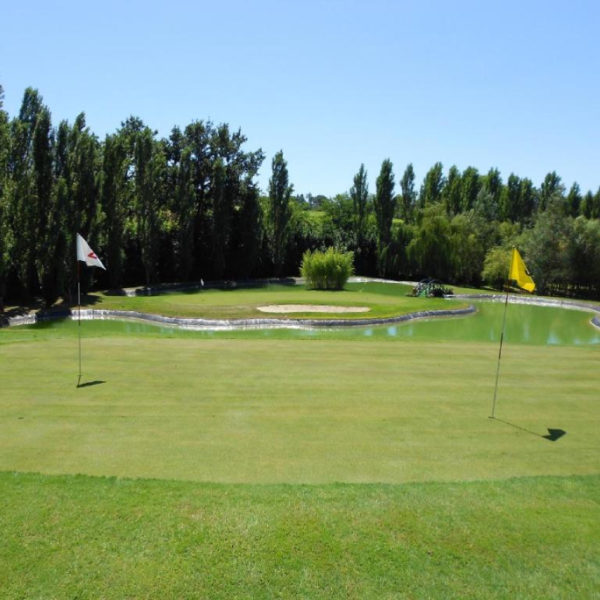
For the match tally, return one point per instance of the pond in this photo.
(525, 324)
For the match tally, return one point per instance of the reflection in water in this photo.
(525, 324)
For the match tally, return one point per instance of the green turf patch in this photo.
(350, 463)
(383, 300)
(306, 410)
(84, 537)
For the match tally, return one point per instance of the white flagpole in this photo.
(79, 319)
(88, 256)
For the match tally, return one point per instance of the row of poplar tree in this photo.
(188, 207)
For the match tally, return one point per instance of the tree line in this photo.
(188, 206)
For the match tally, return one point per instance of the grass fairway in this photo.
(84, 537)
(260, 467)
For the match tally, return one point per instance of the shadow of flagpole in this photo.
(90, 383)
(552, 436)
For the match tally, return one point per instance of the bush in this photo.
(327, 270)
(495, 267)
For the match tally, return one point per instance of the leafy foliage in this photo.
(495, 266)
(280, 192)
(188, 206)
(327, 270)
(408, 196)
(385, 202)
(359, 193)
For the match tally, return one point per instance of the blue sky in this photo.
(512, 85)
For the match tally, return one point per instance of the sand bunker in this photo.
(316, 308)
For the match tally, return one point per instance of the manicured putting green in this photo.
(306, 411)
(397, 403)
(382, 299)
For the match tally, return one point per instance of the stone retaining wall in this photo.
(257, 323)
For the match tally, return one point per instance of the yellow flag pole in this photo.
(492, 416)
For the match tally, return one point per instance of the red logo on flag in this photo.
(92, 255)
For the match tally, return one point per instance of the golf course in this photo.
(350, 461)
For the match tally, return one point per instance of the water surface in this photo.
(525, 324)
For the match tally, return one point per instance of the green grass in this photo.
(302, 411)
(83, 537)
(258, 467)
(383, 300)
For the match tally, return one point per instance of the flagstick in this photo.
(492, 416)
(79, 319)
(499, 355)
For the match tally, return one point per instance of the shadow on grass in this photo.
(195, 287)
(552, 436)
(87, 300)
(90, 383)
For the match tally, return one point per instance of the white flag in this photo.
(87, 255)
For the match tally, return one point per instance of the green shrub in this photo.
(495, 267)
(327, 270)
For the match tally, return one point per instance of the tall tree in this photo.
(470, 186)
(452, 191)
(384, 203)
(46, 229)
(573, 200)
(22, 204)
(408, 193)
(115, 198)
(551, 188)
(430, 251)
(248, 229)
(280, 192)
(6, 238)
(222, 215)
(196, 139)
(467, 249)
(359, 193)
(149, 178)
(594, 205)
(385, 206)
(584, 255)
(433, 185)
(64, 250)
(339, 221)
(82, 187)
(510, 199)
(489, 196)
(545, 246)
(233, 172)
(527, 202)
(183, 203)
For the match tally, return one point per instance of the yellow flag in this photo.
(518, 272)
